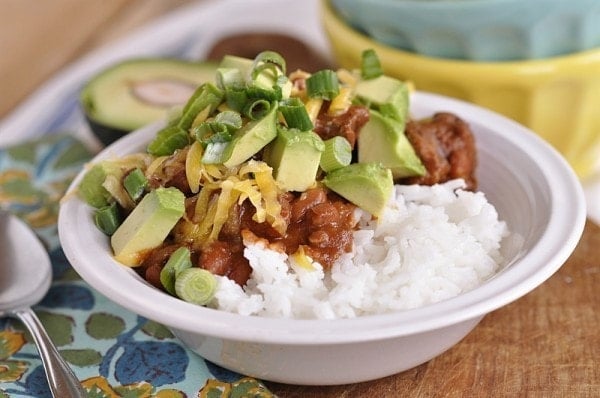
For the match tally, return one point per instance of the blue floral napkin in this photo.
(114, 352)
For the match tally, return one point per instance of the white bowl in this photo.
(532, 187)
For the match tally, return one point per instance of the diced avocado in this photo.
(244, 65)
(90, 188)
(367, 185)
(386, 95)
(133, 93)
(295, 156)
(147, 226)
(382, 139)
(250, 139)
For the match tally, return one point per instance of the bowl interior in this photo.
(491, 30)
(532, 187)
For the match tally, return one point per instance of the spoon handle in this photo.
(61, 379)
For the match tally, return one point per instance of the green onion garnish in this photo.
(370, 66)
(213, 153)
(233, 120)
(323, 84)
(107, 218)
(337, 154)
(270, 94)
(168, 140)
(179, 260)
(295, 115)
(135, 183)
(268, 60)
(236, 98)
(257, 109)
(196, 285)
(206, 96)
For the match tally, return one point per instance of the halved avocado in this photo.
(133, 93)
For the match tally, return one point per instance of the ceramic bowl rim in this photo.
(561, 64)
(562, 233)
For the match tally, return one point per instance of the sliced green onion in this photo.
(236, 98)
(370, 67)
(257, 109)
(213, 154)
(295, 115)
(233, 120)
(135, 183)
(168, 140)
(337, 154)
(107, 218)
(270, 94)
(179, 260)
(206, 96)
(268, 60)
(218, 130)
(323, 84)
(196, 285)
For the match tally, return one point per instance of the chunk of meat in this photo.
(155, 261)
(226, 259)
(322, 223)
(446, 147)
(347, 124)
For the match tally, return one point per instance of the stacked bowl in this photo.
(535, 61)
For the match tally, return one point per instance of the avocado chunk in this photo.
(294, 156)
(133, 93)
(147, 226)
(367, 185)
(244, 65)
(386, 95)
(382, 139)
(251, 138)
(90, 188)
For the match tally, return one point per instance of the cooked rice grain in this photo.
(431, 244)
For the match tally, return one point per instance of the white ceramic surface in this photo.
(532, 187)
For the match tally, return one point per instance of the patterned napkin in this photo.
(114, 352)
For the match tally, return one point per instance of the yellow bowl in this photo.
(558, 98)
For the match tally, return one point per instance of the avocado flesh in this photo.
(382, 139)
(137, 92)
(367, 185)
(90, 188)
(295, 157)
(147, 226)
(250, 139)
(386, 95)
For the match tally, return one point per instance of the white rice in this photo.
(431, 244)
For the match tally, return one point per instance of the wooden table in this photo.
(546, 344)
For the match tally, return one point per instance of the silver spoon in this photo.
(26, 274)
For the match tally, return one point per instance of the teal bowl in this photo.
(478, 30)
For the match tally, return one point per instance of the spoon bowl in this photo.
(26, 276)
(17, 243)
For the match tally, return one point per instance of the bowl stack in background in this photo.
(535, 61)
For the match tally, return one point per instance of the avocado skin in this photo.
(118, 77)
(105, 134)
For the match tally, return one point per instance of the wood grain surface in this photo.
(547, 344)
